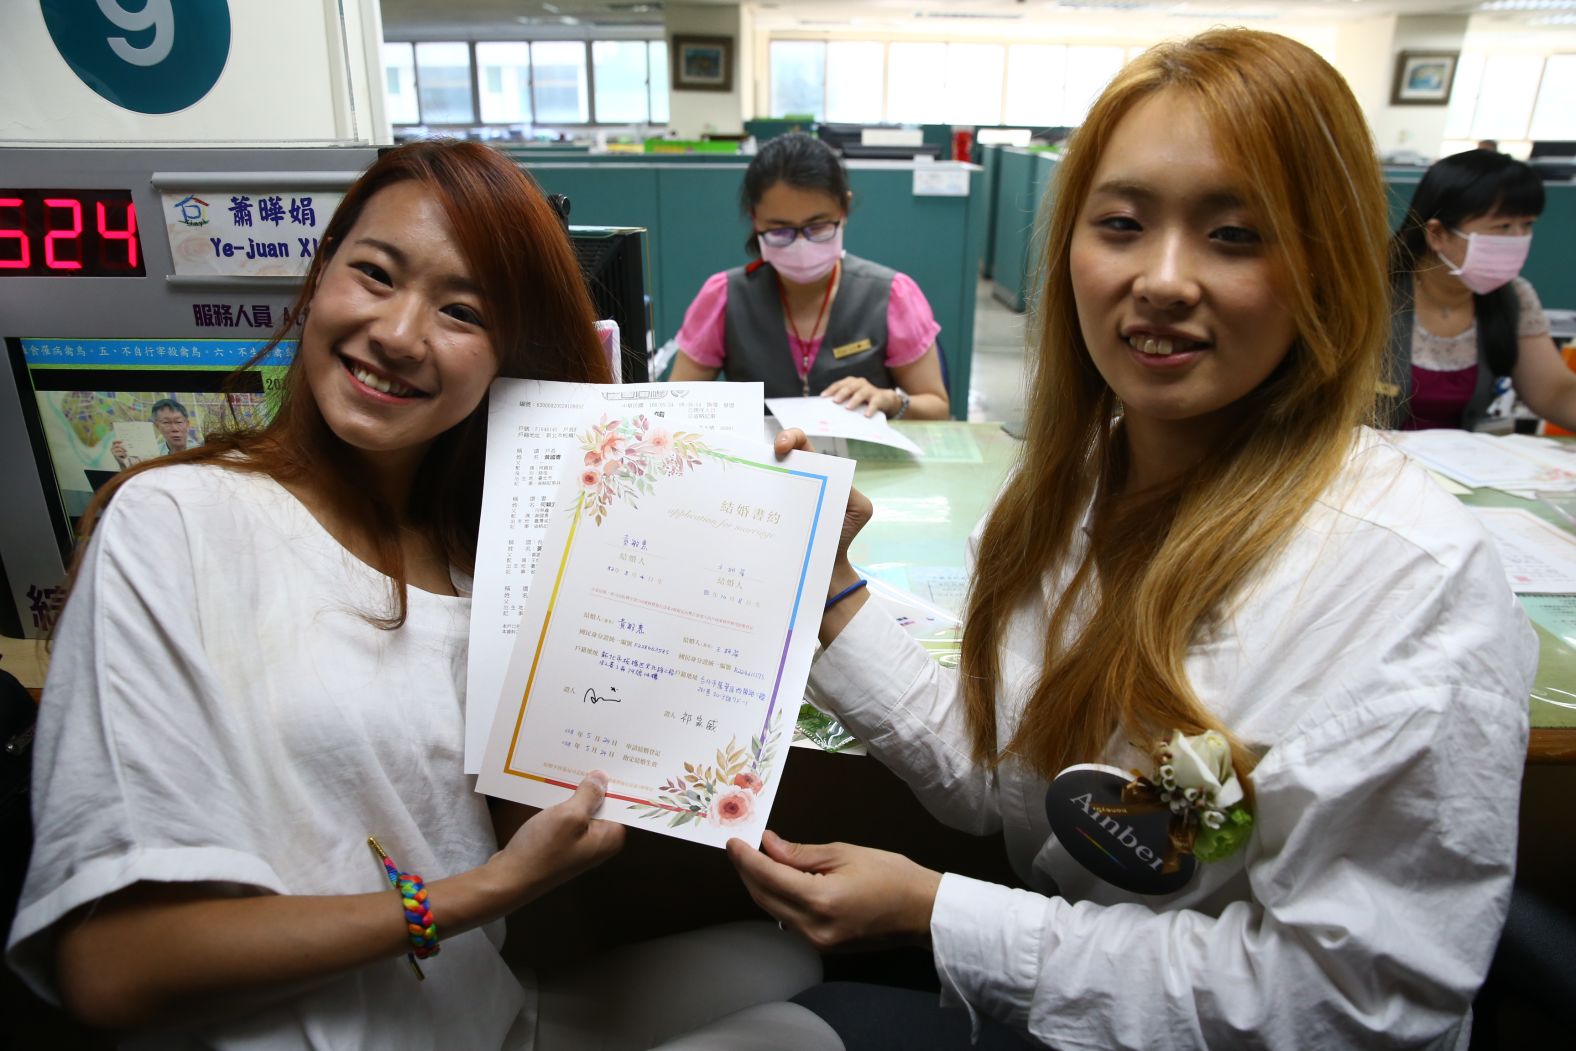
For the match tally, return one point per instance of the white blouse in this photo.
(219, 710)
(1380, 666)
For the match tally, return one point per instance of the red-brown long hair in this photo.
(540, 319)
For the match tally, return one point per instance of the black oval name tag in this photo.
(1124, 842)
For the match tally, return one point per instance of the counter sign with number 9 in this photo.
(157, 56)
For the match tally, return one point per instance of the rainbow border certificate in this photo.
(531, 425)
(669, 634)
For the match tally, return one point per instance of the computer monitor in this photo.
(1553, 148)
(849, 140)
(612, 260)
(839, 136)
(96, 406)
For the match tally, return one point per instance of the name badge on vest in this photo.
(1114, 826)
(848, 349)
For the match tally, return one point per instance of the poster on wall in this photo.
(1423, 78)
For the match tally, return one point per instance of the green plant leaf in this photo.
(1213, 844)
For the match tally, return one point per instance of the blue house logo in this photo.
(191, 210)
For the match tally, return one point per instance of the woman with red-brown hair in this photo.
(262, 664)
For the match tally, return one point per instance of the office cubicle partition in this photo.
(690, 205)
(1023, 178)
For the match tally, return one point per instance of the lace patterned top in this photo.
(1447, 354)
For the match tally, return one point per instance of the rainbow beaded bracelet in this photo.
(421, 928)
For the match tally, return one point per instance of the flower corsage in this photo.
(1210, 817)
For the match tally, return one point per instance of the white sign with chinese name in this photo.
(243, 234)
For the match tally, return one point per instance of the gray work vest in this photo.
(755, 334)
(1397, 368)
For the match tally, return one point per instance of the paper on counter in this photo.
(669, 640)
(531, 430)
(1482, 460)
(826, 418)
(1539, 558)
(919, 618)
(1547, 451)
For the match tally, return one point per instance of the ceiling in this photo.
(411, 19)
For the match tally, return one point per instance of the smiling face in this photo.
(1177, 295)
(396, 349)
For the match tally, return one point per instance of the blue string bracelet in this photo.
(421, 929)
(849, 590)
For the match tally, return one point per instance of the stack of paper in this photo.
(1485, 461)
(1539, 558)
(823, 417)
(670, 622)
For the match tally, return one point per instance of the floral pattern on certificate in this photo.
(622, 457)
(723, 793)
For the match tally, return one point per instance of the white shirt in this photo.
(1381, 667)
(217, 709)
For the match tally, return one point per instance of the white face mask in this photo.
(1492, 260)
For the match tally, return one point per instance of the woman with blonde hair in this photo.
(1244, 691)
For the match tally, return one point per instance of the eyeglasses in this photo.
(815, 233)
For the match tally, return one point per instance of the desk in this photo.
(925, 510)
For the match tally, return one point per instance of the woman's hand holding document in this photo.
(669, 628)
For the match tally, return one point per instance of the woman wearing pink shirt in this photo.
(807, 317)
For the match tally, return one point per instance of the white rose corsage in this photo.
(1195, 778)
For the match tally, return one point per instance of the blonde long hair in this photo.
(1166, 567)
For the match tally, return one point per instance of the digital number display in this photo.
(69, 233)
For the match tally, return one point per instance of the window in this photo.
(974, 76)
(444, 72)
(1554, 117)
(916, 82)
(505, 82)
(1035, 74)
(855, 76)
(560, 82)
(399, 74)
(525, 82)
(619, 73)
(798, 70)
(1463, 96)
(659, 81)
(1504, 105)
(1089, 70)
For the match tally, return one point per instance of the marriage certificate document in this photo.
(532, 432)
(668, 632)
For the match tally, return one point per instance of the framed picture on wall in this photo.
(1423, 78)
(702, 63)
